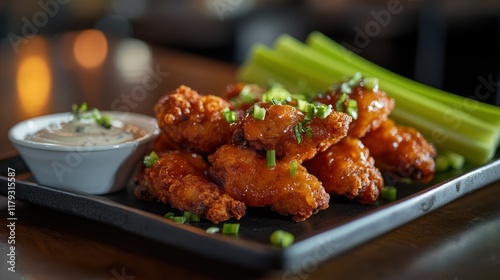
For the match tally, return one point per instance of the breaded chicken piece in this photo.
(278, 131)
(374, 107)
(181, 179)
(245, 176)
(194, 122)
(401, 151)
(347, 169)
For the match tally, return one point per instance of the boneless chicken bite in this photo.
(285, 129)
(181, 179)
(401, 151)
(192, 121)
(347, 169)
(245, 176)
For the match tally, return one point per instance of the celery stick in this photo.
(327, 46)
(318, 63)
(444, 138)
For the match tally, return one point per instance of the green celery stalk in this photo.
(486, 112)
(317, 64)
(475, 152)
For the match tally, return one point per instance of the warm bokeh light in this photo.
(132, 58)
(33, 84)
(90, 48)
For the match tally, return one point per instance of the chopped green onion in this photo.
(229, 115)
(345, 88)
(102, 120)
(352, 108)
(355, 79)
(246, 95)
(282, 238)
(168, 215)
(448, 159)
(212, 230)
(258, 113)
(389, 193)
(293, 167)
(441, 162)
(303, 106)
(297, 133)
(339, 105)
(77, 110)
(271, 158)
(150, 159)
(323, 110)
(229, 228)
(191, 217)
(370, 83)
(178, 219)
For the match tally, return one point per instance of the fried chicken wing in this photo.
(401, 151)
(374, 106)
(347, 169)
(181, 180)
(284, 130)
(245, 176)
(193, 121)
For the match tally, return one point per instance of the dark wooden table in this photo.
(458, 241)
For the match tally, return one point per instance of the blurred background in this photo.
(453, 45)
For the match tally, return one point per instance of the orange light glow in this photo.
(33, 84)
(90, 48)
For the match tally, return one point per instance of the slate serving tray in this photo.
(342, 226)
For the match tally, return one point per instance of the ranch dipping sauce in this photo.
(86, 132)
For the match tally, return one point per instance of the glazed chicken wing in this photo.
(245, 176)
(373, 107)
(401, 151)
(181, 180)
(283, 129)
(193, 121)
(347, 169)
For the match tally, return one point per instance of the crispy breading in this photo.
(181, 180)
(194, 122)
(347, 169)
(401, 151)
(245, 176)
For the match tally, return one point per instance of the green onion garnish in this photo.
(212, 230)
(441, 162)
(102, 120)
(168, 215)
(150, 159)
(229, 228)
(339, 105)
(258, 113)
(352, 108)
(370, 83)
(293, 168)
(297, 133)
(191, 217)
(323, 110)
(282, 238)
(271, 158)
(178, 219)
(389, 193)
(229, 115)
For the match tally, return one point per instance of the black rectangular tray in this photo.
(342, 226)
